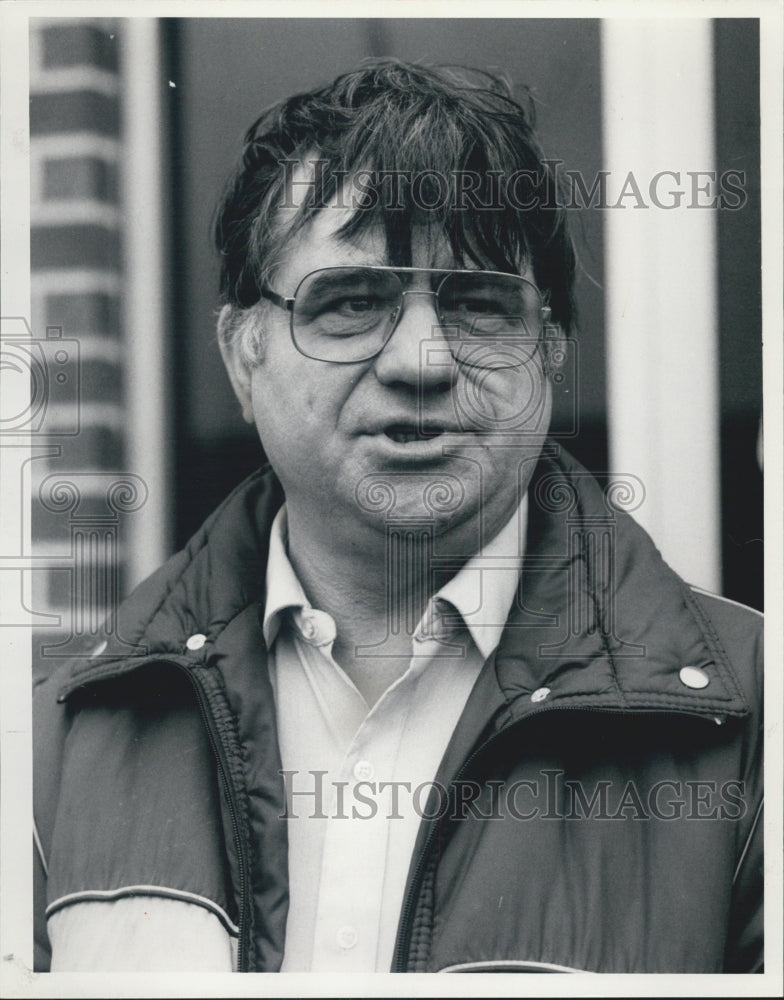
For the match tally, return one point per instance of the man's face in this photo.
(408, 434)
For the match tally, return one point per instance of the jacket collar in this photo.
(600, 620)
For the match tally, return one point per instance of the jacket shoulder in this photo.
(739, 630)
(198, 589)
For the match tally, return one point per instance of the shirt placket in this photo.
(355, 847)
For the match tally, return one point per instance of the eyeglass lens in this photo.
(348, 313)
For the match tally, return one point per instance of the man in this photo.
(418, 696)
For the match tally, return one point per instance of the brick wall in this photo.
(78, 517)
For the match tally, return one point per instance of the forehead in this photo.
(319, 243)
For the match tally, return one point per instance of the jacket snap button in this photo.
(196, 642)
(540, 694)
(693, 677)
(347, 937)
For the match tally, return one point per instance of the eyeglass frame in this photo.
(287, 301)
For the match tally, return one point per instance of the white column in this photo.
(144, 320)
(16, 386)
(662, 335)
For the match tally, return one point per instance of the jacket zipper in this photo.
(400, 960)
(239, 845)
(219, 752)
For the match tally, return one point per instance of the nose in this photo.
(417, 353)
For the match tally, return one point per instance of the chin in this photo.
(393, 495)
(413, 526)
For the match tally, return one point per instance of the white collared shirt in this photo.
(351, 836)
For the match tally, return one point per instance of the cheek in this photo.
(289, 395)
(506, 400)
(309, 398)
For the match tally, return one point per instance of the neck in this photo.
(375, 610)
(352, 568)
(374, 584)
(348, 574)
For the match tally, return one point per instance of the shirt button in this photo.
(363, 770)
(196, 642)
(347, 937)
(693, 677)
(308, 628)
(540, 694)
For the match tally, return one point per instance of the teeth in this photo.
(406, 434)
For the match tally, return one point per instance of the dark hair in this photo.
(386, 116)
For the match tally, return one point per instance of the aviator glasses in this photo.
(347, 314)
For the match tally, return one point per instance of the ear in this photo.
(229, 340)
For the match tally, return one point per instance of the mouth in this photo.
(408, 433)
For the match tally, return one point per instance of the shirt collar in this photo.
(482, 591)
(283, 588)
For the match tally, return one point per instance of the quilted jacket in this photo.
(612, 746)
